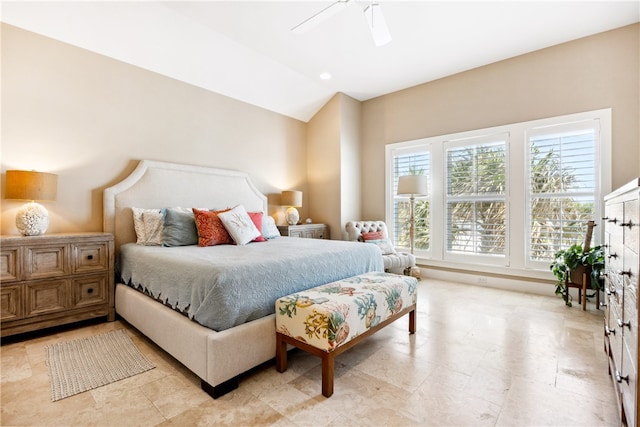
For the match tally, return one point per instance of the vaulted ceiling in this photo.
(245, 49)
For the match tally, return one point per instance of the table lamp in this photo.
(292, 199)
(32, 218)
(412, 185)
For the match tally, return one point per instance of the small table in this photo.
(308, 231)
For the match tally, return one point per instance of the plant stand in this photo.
(580, 278)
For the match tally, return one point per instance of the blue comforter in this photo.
(227, 285)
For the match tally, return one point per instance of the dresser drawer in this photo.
(309, 231)
(89, 290)
(89, 257)
(11, 302)
(613, 257)
(46, 261)
(614, 213)
(628, 381)
(9, 265)
(49, 296)
(630, 224)
(614, 332)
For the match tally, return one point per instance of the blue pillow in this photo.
(179, 228)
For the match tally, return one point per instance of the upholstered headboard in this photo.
(160, 184)
(355, 229)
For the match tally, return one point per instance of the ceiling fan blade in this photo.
(377, 24)
(325, 13)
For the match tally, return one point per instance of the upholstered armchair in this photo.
(394, 261)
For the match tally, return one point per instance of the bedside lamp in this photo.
(32, 218)
(412, 185)
(293, 199)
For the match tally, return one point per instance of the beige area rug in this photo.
(87, 363)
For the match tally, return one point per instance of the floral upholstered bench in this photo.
(329, 319)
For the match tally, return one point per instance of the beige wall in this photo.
(89, 119)
(350, 162)
(596, 72)
(323, 165)
(333, 163)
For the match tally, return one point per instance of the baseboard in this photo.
(490, 280)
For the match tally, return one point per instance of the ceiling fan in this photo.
(372, 12)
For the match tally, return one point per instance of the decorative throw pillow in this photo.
(269, 229)
(149, 224)
(256, 217)
(239, 225)
(385, 246)
(179, 228)
(211, 231)
(373, 235)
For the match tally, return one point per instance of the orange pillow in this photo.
(373, 235)
(211, 231)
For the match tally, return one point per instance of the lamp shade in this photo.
(291, 198)
(31, 185)
(412, 185)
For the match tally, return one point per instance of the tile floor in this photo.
(481, 357)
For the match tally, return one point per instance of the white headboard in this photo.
(160, 184)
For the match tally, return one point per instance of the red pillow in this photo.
(256, 217)
(373, 235)
(211, 231)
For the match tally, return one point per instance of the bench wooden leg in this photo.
(412, 322)
(281, 353)
(327, 374)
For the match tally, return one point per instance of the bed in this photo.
(218, 353)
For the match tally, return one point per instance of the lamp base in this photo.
(292, 216)
(32, 219)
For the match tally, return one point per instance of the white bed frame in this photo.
(218, 358)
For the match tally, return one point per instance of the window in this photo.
(475, 198)
(507, 197)
(562, 193)
(408, 162)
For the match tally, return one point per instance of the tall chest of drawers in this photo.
(622, 238)
(55, 279)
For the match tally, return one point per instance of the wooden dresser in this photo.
(309, 231)
(622, 238)
(55, 279)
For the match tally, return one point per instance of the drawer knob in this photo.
(620, 378)
(609, 331)
(89, 256)
(90, 290)
(627, 224)
(614, 255)
(602, 304)
(623, 324)
(614, 220)
(624, 273)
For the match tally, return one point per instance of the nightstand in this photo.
(55, 279)
(309, 231)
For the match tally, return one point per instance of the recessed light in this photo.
(325, 76)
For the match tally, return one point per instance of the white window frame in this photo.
(408, 149)
(517, 155)
(475, 258)
(576, 126)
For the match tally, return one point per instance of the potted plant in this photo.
(570, 264)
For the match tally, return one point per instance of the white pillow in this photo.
(239, 225)
(269, 229)
(385, 246)
(149, 224)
